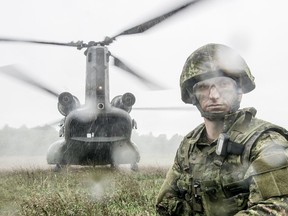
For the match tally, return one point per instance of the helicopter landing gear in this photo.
(57, 168)
(134, 167)
(114, 166)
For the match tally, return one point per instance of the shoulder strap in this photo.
(191, 139)
(248, 146)
(248, 129)
(252, 139)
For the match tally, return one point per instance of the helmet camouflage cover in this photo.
(214, 60)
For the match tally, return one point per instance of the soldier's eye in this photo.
(202, 87)
(224, 84)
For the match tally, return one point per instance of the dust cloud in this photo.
(23, 162)
(25, 148)
(39, 162)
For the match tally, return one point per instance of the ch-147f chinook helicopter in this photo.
(98, 132)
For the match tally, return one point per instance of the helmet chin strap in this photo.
(217, 116)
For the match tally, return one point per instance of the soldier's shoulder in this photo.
(271, 138)
(192, 135)
(267, 127)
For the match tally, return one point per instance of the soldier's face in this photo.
(217, 95)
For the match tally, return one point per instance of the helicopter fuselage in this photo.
(98, 132)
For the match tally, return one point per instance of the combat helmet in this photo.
(213, 60)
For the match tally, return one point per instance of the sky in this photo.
(256, 29)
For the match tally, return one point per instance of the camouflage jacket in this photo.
(253, 182)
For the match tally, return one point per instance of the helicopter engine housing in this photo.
(125, 101)
(67, 102)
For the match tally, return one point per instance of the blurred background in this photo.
(256, 29)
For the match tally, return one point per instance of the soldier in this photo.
(233, 163)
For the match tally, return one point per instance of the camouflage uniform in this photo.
(254, 182)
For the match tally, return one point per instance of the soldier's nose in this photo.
(214, 93)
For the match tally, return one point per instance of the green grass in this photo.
(80, 191)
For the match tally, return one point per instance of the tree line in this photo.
(36, 141)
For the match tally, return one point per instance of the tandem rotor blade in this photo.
(165, 108)
(149, 24)
(152, 85)
(78, 44)
(13, 71)
(108, 40)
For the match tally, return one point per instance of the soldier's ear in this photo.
(194, 99)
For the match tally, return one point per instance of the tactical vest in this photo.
(217, 185)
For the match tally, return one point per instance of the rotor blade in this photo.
(164, 108)
(73, 44)
(58, 122)
(149, 24)
(152, 85)
(16, 73)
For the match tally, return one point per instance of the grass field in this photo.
(80, 191)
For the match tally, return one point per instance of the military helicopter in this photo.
(99, 131)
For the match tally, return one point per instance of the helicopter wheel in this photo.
(134, 167)
(114, 166)
(57, 168)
